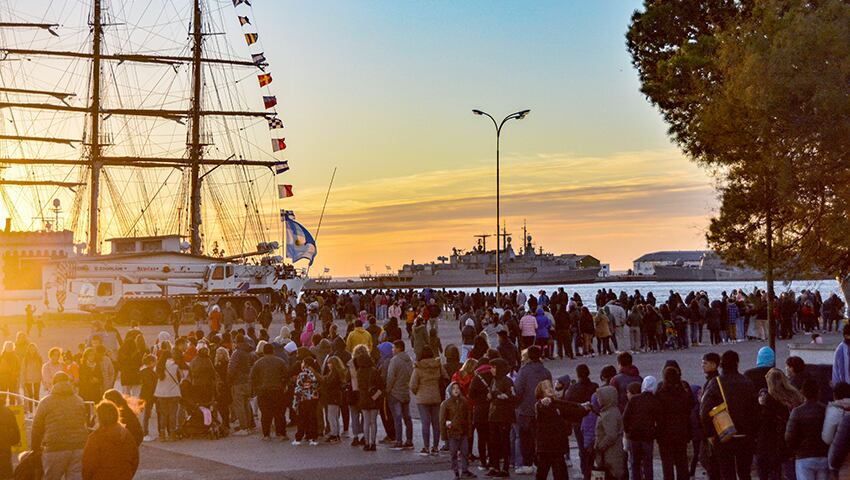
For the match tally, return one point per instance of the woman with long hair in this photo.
(32, 375)
(776, 402)
(369, 395)
(674, 429)
(222, 395)
(167, 391)
(10, 371)
(425, 385)
(333, 384)
(91, 377)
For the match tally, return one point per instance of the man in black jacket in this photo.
(268, 381)
(734, 456)
(803, 435)
(639, 425)
(581, 392)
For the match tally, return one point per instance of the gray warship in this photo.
(477, 268)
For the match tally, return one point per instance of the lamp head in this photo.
(522, 114)
(477, 112)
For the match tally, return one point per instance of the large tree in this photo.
(759, 93)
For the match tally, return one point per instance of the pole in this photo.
(195, 150)
(94, 147)
(322, 215)
(498, 221)
(771, 327)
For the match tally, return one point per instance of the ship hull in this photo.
(466, 279)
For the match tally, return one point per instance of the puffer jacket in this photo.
(457, 411)
(529, 376)
(239, 368)
(609, 433)
(269, 374)
(425, 381)
(202, 372)
(111, 453)
(399, 372)
(60, 420)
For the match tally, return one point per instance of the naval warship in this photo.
(477, 268)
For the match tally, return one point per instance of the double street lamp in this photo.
(517, 116)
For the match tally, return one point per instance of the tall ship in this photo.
(477, 268)
(138, 147)
(710, 269)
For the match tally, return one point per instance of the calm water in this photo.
(661, 289)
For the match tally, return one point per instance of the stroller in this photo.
(200, 421)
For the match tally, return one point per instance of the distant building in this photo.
(645, 265)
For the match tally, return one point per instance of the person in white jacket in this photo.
(835, 411)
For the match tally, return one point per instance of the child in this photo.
(455, 426)
(148, 376)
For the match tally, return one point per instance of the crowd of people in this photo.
(340, 361)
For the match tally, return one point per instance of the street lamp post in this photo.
(518, 116)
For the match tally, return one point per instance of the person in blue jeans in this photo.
(398, 395)
(425, 385)
(639, 425)
(803, 435)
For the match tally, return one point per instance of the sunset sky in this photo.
(383, 91)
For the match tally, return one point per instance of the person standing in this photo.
(776, 402)
(530, 375)
(10, 435)
(425, 385)
(455, 428)
(502, 415)
(735, 456)
(553, 417)
(268, 382)
(609, 434)
(841, 362)
(627, 374)
(111, 452)
(675, 402)
(370, 391)
(239, 378)
(398, 395)
(59, 430)
(582, 392)
(167, 394)
(306, 402)
(640, 427)
(803, 435)
(528, 330)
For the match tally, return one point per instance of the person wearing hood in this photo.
(467, 335)
(307, 335)
(399, 371)
(608, 445)
(455, 427)
(392, 331)
(527, 379)
(841, 362)
(385, 349)
(507, 349)
(640, 425)
(269, 377)
(502, 415)
(239, 377)
(370, 389)
(59, 430)
(332, 387)
(425, 385)
(628, 374)
(419, 337)
(358, 336)
(765, 360)
(453, 362)
(553, 417)
(110, 452)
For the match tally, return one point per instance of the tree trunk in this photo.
(771, 326)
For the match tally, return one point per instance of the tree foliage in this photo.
(759, 93)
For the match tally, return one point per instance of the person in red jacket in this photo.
(111, 452)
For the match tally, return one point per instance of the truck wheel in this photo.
(131, 313)
(160, 313)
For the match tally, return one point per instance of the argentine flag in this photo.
(299, 242)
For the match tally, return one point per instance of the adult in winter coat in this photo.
(836, 410)
(369, 396)
(59, 430)
(530, 375)
(419, 338)
(269, 378)
(425, 385)
(502, 415)
(581, 392)
(609, 434)
(627, 374)
(111, 452)
(91, 377)
(640, 421)
(776, 402)
(735, 456)
(399, 372)
(675, 402)
(803, 435)
(765, 360)
(203, 376)
(479, 390)
(239, 378)
(553, 418)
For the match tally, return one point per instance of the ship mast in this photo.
(195, 147)
(94, 141)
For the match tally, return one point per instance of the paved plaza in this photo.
(250, 458)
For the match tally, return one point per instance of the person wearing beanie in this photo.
(527, 379)
(765, 360)
(455, 427)
(735, 456)
(385, 350)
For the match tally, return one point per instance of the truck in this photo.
(155, 293)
